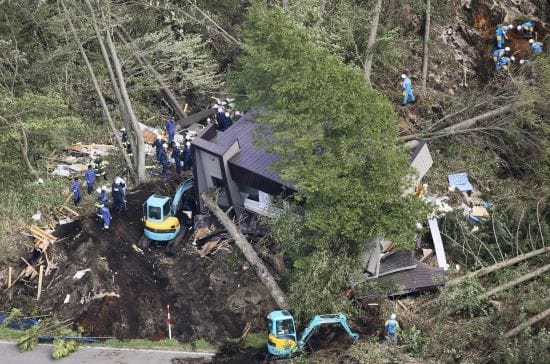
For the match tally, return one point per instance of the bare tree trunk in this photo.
(367, 66)
(466, 123)
(140, 147)
(261, 270)
(426, 43)
(533, 320)
(164, 89)
(116, 89)
(516, 281)
(98, 91)
(495, 267)
(25, 147)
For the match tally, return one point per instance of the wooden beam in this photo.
(41, 274)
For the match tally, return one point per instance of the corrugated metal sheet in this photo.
(421, 278)
(397, 261)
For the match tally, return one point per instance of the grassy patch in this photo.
(6, 333)
(255, 340)
(199, 345)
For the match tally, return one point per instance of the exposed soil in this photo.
(211, 298)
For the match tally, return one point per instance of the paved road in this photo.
(88, 354)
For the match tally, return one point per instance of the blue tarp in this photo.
(77, 338)
(460, 181)
(23, 324)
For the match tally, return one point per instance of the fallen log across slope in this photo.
(250, 254)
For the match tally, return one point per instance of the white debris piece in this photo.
(37, 216)
(67, 298)
(81, 273)
(62, 170)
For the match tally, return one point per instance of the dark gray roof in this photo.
(251, 160)
(421, 278)
(397, 261)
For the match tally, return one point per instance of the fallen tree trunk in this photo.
(240, 240)
(465, 124)
(495, 267)
(516, 281)
(533, 320)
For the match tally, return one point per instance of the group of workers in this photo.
(501, 56)
(118, 191)
(226, 114)
(182, 157)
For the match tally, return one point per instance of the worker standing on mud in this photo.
(406, 85)
(164, 159)
(501, 34)
(500, 53)
(106, 216)
(176, 154)
(392, 328)
(158, 147)
(503, 63)
(90, 178)
(171, 129)
(102, 197)
(536, 47)
(76, 191)
(187, 157)
(117, 195)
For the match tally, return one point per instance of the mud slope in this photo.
(126, 292)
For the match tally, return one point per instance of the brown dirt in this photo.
(211, 298)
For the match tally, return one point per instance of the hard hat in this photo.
(187, 137)
(507, 49)
(215, 106)
(393, 316)
(123, 129)
(522, 61)
(224, 103)
(98, 190)
(220, 109)
(510, 26)
(165, 146)
(518, 27)
(531, 41)
(237, 113)
(188, 144)
(104, 188)
(513, 58)
(226, 114)
(118, 180)
(177, 144)
(159, 137)
(208, 120)
(403, 76)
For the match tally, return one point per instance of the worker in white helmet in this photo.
(164, 159)
(158, 146)
(176, 154)
(187, 157)
(392, 328)
(536, 47)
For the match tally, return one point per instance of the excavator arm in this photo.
(319, 320)
(178, 196)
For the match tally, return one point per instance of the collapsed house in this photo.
(231, 162)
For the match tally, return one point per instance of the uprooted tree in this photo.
(337, 145)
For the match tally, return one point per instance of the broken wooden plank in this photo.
(374, 259)
(438, 243)
(69, 210)
(40, 276)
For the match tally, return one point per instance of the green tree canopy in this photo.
(336, 137)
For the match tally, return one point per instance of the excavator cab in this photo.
(159, 223)
(159, 214)
(281, 339)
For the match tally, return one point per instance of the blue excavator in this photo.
(160, 220)
(282, 339)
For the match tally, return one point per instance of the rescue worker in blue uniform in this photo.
(187, 157)
(106, 217)
(99, 167)
(406, 85)
(171, 129)
(164, 159)
(500, 53)
(176, 154)
(501, 34)
(536, 47)
(116, 192)
(503, 63)
(527, 28)
(90, 178)
(158, 147)
(76, 191)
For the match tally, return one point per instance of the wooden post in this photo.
(9, 283)
(40, 282)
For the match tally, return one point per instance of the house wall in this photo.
(207, 166)
(232, 186)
